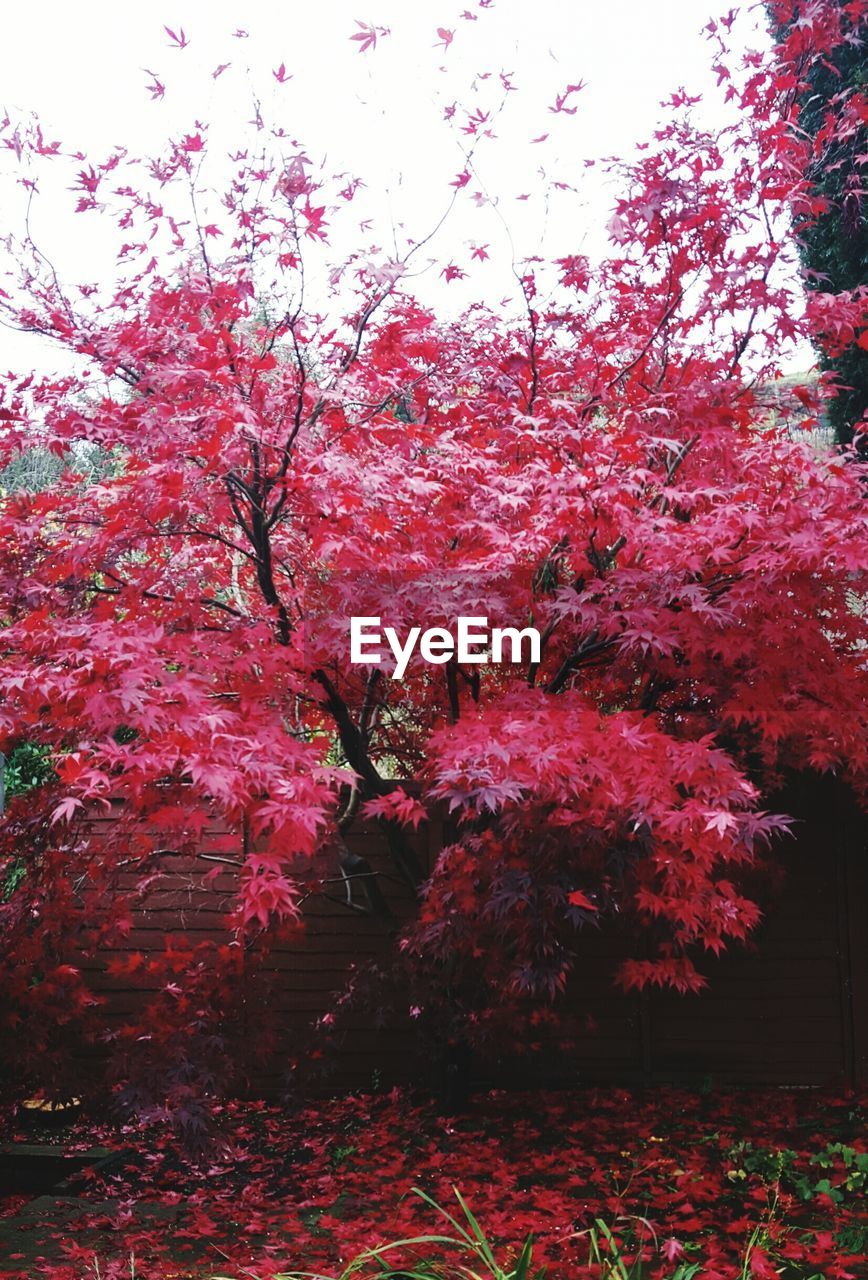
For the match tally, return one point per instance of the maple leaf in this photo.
(721, 822)
(762, 1266)
(179, 38)
(266, 892)
(398, 806)
(579, 899)
(123, 966)
(156, 88)
(88, 180)
(315, 221)
(563, 98)
(66, 809)
(366, 37)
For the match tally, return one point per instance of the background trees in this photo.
(833, 237)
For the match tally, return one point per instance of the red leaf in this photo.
(179, 39)
(579, 899)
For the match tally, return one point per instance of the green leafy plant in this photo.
(767, 1163)
(28, 765)
(341, 1154)
(846, 1170)
(853, 1238)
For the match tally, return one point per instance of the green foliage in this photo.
(853, 1238)
(846, 1170)
(125, 733)
(31, 471)
(13, 878)
(402, 410)
(834, 246)
(36, 469)
(28, 765)
(340, 1154)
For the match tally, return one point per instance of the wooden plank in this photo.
(855, 889)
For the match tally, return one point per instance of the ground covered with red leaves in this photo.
(779, 1175)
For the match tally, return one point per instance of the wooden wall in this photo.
(793, 1009)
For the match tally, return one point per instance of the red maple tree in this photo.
(244, 470)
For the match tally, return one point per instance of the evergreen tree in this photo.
(834, 243)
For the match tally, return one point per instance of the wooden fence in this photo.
(791, 1009)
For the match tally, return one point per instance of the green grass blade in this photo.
(484, 1247)
(522, 1267)
(466, 1237)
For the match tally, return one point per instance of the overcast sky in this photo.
(380, 114)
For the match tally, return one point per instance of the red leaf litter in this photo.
(306, 1188)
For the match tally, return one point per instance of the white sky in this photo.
(377, 114)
